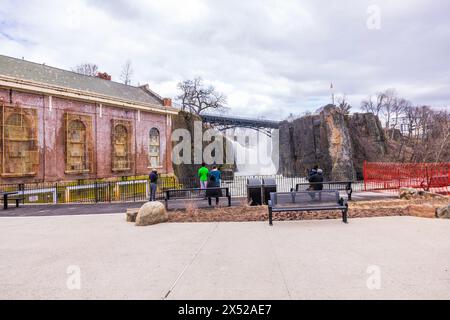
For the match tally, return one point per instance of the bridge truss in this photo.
(223, 123)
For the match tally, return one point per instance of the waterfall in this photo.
(253, 152)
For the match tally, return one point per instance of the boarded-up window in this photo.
(19, 145)
(121, 145)
(79, 144)
(154, 148)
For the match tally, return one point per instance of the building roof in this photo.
(43, 74)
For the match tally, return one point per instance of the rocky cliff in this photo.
(337, 143)
(185, 120)
(368, 140)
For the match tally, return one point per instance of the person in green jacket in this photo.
(203, 174)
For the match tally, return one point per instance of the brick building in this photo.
(58, 125)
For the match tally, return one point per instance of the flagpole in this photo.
(332, 93)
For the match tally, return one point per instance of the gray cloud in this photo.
(271, 58)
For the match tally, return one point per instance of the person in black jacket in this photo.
(153, 184)
(316, 181)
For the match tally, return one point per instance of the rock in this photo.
(425, 210)
(321, 139)
(408, 193)
(151, 213)
(132, 214)
(368, 140)
(411, 193)
(443, 213)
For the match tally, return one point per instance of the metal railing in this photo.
(133, 189)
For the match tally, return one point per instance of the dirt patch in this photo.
(418, 207)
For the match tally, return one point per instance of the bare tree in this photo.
(373, 104)
(428, 137)
(88, 69)
(389, 100)
(416, 133)
(196, 98)
(398, 112)
(343, 106)
(127, 72)
(386, 105)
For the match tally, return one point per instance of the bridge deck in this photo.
(240, 122)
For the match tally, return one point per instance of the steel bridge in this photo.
(222, 123)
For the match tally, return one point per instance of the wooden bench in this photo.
(12, 195)
(329, 185)
(307, 201)
(197, 194)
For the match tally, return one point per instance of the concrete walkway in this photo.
(399, 257)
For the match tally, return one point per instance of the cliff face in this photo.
(185, 120)
(188, 121)
(368, 140)
(339, 144)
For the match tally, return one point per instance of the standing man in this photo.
(153, 184)
(217, 175)
(203, 174)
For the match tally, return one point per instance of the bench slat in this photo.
(307, 201)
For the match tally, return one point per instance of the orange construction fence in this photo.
(433, 177)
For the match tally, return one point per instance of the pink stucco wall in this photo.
(51, 137)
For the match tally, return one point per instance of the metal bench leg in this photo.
(166, 203)
(209, 201)
(345, 215)
(17, 203)
(229, 201)
(270, 217)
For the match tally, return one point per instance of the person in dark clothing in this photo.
(313, 171)
(217, 174)
(213, 182)
(316, 183)
(153, 184)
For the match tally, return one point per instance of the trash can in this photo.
(254, 192)
(269, 185)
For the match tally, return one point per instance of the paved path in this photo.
(292, 260)
(105, 208)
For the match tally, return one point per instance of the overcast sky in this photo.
(271, 58)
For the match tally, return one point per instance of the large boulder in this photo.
(408, 193)
(151, 213)
(443, 213)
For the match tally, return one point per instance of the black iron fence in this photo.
(132, 189)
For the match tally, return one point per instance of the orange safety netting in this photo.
(433, 177)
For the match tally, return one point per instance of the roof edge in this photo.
(32, 86)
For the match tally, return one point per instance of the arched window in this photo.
(120, 148)
(79, 143)
(76, 147)
(19, 145)
(154, 148)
